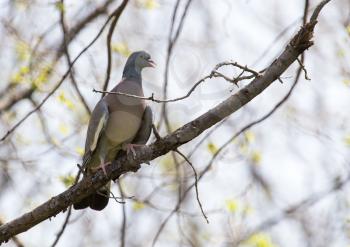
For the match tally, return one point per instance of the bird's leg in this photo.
(102, 166)
(129, 147)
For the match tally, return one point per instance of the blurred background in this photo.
(282, 182)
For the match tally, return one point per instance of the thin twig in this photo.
(151, 98)
(15, 96)
(116, 198)
(60, 82)
(304, 69)
(116, 14)
(123, 228)
(65, 223)
(171, 44)
(242, 67)
(69, 213)
(195, 183)
(214, 73)
(43, 124)
(69, 61)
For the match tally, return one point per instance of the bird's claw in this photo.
(131, 148)
(103, 167)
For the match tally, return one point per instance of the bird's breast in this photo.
(122, 126)
(125, 112)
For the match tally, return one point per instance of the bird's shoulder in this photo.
(129, 85)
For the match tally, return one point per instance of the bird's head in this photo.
(136, 62)
(143, 59)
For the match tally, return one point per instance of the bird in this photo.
(118, 123)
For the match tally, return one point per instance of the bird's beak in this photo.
(151, 63)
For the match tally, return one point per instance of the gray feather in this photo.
(145, 130)
(99, 117)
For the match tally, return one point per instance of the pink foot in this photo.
(103, 167)
(129, 147)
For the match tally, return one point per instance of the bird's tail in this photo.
(96, 201)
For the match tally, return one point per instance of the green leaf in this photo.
(67, 180)
(42, 76)
(79, 151)
(256, 157)
(260, 240)
(22, 51)
(232, 205)
(212, 148)
(65, 101)
(59, 6)
(64, 129)
(137, 206)
(148, 4)
(347, 140)
(121, 48)
(346, 82)
(249, 136)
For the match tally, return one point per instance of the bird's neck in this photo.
(132, 72)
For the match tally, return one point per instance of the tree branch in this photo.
(116, 16)
(15, 95)
(214, 73)
(63, 77)
(171, 43)
(69, 60)
(299, 43)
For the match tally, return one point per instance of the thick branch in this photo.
(300, 42)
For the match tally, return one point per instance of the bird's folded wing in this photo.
(145, 129)
(97, 125)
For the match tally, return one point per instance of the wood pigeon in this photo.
(117, 123)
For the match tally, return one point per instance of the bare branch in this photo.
(304, 69)
(60, 233)
(123, 228)
(195, 183)
(69, 61)
(62, 79)
(235, 64)
(151, 98)
(69, 213)
(74, 31)
(214, 73)
(13, 96)
(171, 43)
(116, 14)
(17, 242)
